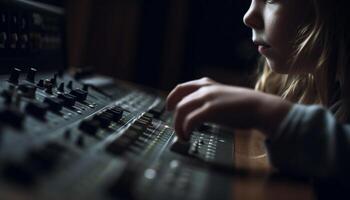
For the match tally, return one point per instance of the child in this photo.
(305, 47)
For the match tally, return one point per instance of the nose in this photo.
(253, 18)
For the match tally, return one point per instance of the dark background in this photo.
(160, 43)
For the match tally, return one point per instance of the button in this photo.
(14, 38)
(14, 75)
(37, 109)
(194, 148)
(47, 82)
(89, 126)
(3, 37)
(68, 100)
(3, 18)
(80, 95)
(158, 110)
(24, 38)
(31, 75)
(137, 127)
(55, 104)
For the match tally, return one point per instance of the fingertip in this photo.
(182, 139)
(186, 133)
(180, 136)
(186, 137)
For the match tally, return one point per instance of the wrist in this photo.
(272, 112)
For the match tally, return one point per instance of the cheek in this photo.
(281, 33)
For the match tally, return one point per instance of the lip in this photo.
(263, 47)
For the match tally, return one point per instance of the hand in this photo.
(185, 89)
(204, 100)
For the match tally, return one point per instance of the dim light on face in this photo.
(275, 25)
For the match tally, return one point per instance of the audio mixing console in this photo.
(85, 136)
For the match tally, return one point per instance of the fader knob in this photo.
(31, 75)
(70, 85)
(68, 100)
(28, 90)
(54, 103)
(37, 110)
(61, 87)
(14, 75)
(86, 87)
(89, 126)
(40, 83)
(104, 120)
(80, 95)
(116, 113)
(54, 80)
(49, 89)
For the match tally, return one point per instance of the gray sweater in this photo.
(311, 142)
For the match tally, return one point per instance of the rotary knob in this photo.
(31, 75)
(14, 75)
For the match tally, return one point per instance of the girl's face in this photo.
(275, 25)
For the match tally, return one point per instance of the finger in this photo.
(183, 90)
(196, 117)
(184, 107)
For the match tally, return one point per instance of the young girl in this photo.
(305, 51)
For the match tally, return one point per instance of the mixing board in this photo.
(85, 136)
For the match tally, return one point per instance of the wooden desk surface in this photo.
(257, 182)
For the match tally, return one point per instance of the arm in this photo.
(301, 139)
(309, 141)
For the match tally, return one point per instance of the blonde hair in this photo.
(326, 33)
